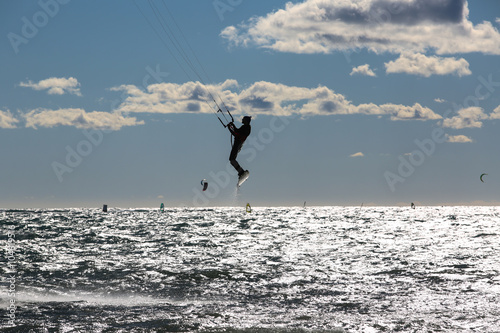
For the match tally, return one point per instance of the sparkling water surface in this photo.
(280, 269)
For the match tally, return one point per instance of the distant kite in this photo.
(204, 184)
(481, 177)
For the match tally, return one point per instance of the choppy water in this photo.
(337, 269)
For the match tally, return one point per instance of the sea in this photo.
(272, 269)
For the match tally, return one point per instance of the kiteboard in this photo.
(244, 176)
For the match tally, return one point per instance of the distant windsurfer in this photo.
(240, 135)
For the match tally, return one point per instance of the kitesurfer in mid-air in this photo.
(240, 135)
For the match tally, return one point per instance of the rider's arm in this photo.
(232, 129)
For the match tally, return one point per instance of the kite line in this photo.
(179, 48)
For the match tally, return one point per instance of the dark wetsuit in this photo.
(240, 135)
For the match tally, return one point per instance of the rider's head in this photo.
(246, 120)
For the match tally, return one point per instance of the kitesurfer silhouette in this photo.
(240, 135)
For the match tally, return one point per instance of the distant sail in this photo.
(204, 184)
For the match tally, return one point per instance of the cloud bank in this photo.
(471, 117)
(265, 98)
(78, 118)
(394, 26)
(55, 85)
(259, 98)
(420, 64)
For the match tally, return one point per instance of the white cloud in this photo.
(363, 70)
(396, 26)
(79, 119)
(458, 139)
(439, 100)
(358, 154)
(415, 112)
(496, 113)
(420, 64)
(231, 33)
(7, 120)
(190, 97)
(259, 98)
(55, 85)
(471, 117)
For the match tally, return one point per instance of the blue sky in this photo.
(380, 102)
